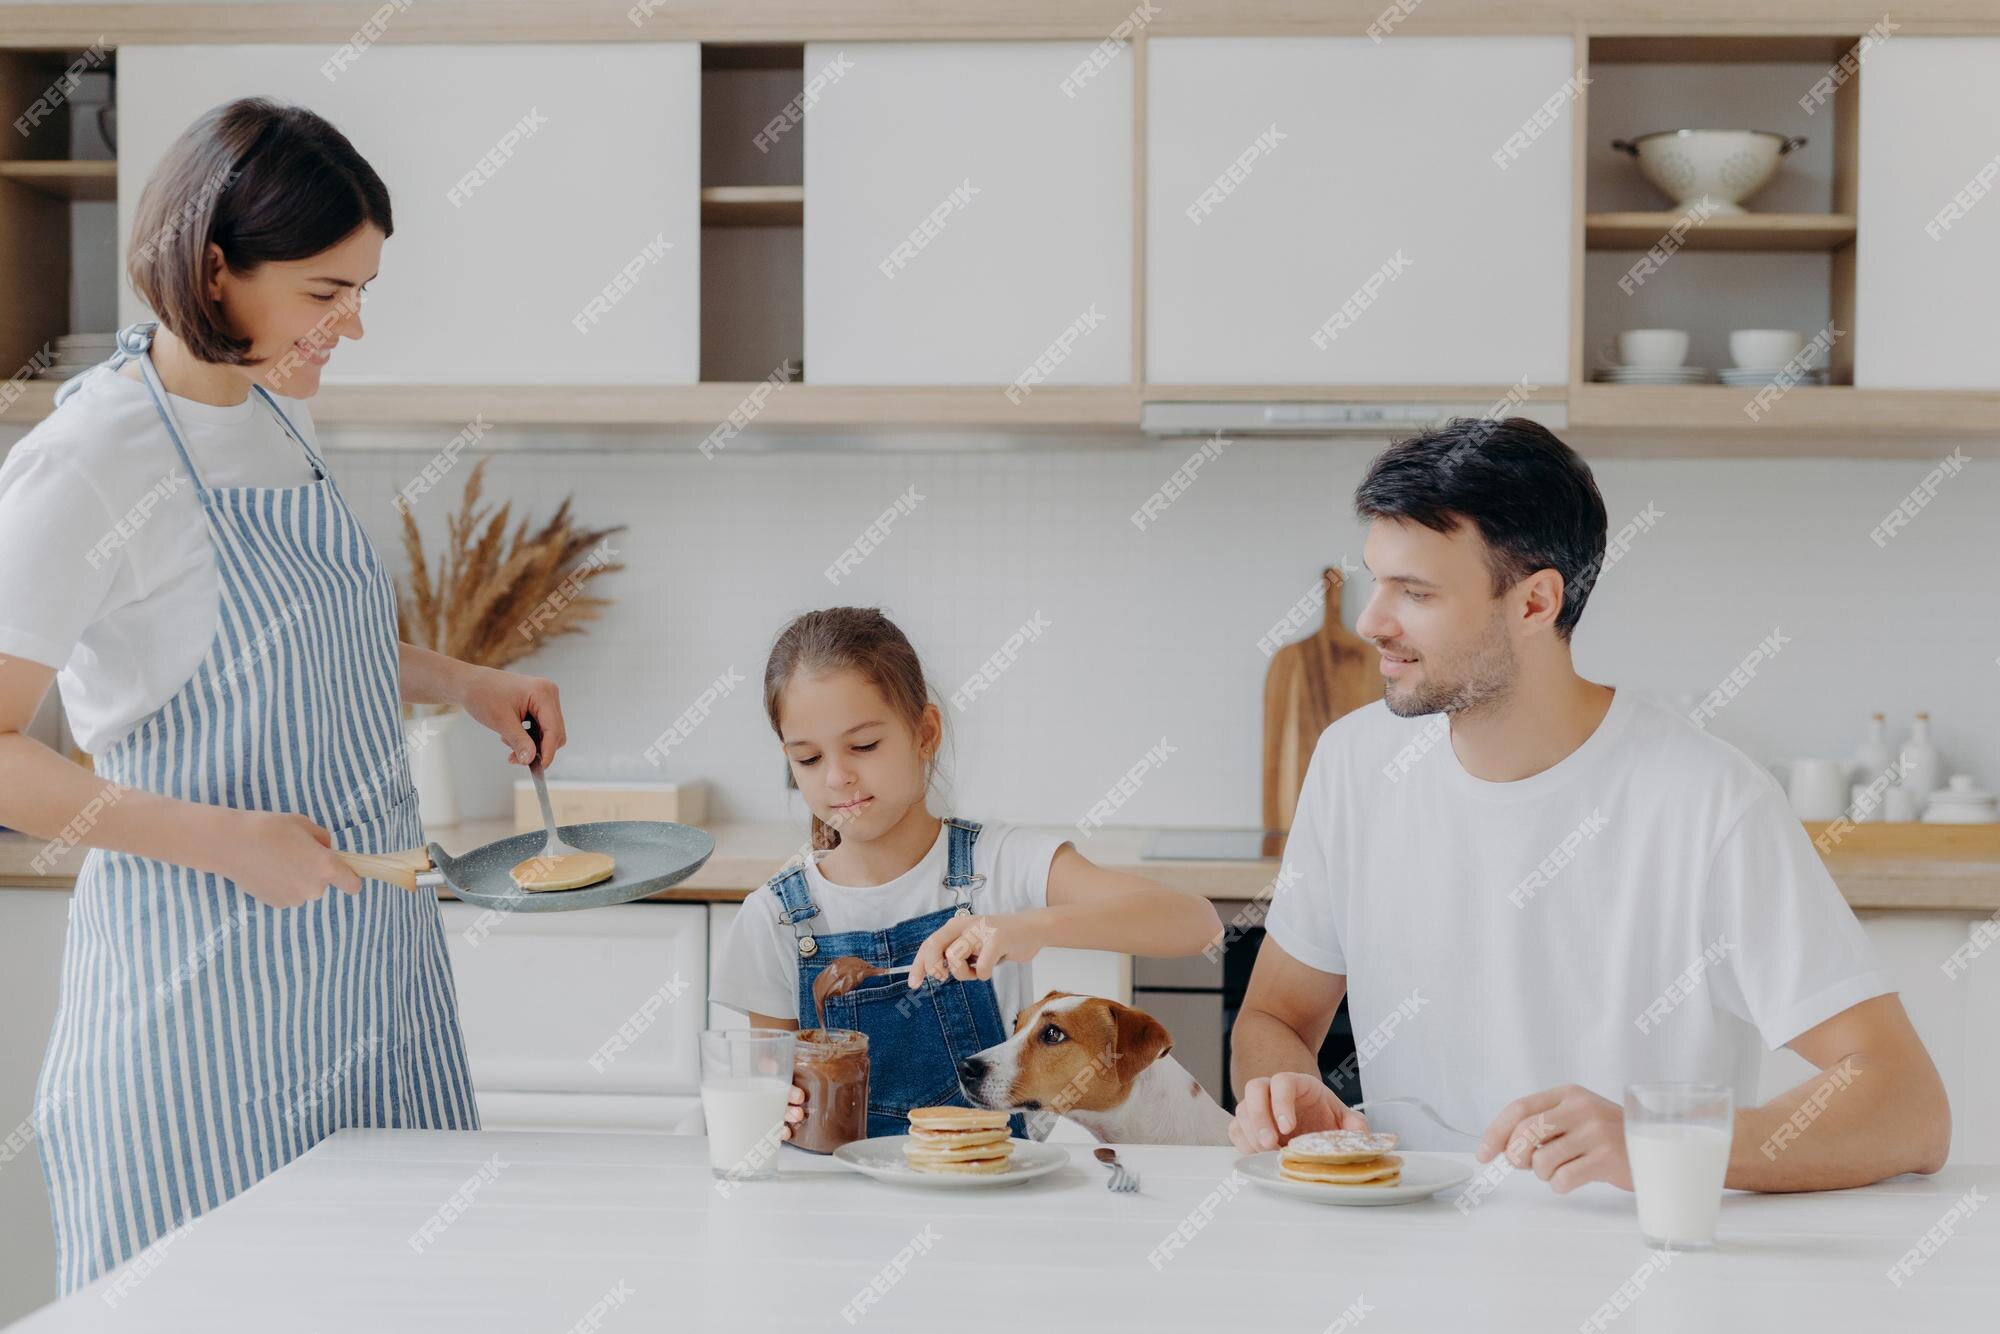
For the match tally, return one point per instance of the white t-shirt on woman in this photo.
(758, 970)
(106, 569)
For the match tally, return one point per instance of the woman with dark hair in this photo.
(174, 546)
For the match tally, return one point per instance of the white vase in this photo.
(1873, 758)
(430, 767)
(1920, 760)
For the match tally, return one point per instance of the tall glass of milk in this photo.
(746, 1084)
(1677, 1141)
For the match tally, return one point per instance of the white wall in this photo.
(1154, 633)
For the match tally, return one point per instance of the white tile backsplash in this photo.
(1153, 634)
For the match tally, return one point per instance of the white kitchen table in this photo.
(616, 1232)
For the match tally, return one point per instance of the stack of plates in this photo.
(1756, 377)
(1960, 803)
(1653, 375)
(78, 352)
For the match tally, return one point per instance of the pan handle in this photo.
(412, 869)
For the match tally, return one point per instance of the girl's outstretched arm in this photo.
(1094, 908)
(1089, 908)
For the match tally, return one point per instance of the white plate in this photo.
(1769, 377)
(882, 1158)
(1424, 1175)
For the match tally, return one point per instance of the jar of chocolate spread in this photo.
(831, 1065)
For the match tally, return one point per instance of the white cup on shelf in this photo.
(1765, 349)
(1653, 347)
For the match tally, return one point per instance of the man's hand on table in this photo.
(1569, 1135)
(1273, 1110)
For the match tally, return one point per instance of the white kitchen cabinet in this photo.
(1956, 1016)
(546, 198)
(966, 216)
(33, 923)
(720, 915)
(588, 1020)
(1927, 258)
(1337, 211)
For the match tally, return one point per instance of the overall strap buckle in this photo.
(796, 908)
(960, 878)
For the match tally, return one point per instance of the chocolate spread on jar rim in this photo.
(831, 1065)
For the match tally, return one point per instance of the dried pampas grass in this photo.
(493, 599)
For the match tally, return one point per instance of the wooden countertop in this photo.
(1876, 874)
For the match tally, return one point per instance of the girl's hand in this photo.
(967, 947)
(795, 1112)
(500, 700)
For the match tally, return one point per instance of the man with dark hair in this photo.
(1534, 890)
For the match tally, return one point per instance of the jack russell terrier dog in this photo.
(1103, 1065)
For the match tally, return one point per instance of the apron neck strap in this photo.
(135, 343)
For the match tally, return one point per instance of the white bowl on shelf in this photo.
(1721, 167)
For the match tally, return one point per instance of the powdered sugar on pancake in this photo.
(1342, 1141)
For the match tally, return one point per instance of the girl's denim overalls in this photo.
(915, 1038)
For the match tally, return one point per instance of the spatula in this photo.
(558, 865)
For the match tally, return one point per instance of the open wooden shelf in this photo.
(753, 206)
(1691, 421)
(1803, 414)
(96, 182)
(1731, 231)
(703, 406)
(1720, 48)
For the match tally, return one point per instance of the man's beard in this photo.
(1459, 682)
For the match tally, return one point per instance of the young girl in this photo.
(892, 884)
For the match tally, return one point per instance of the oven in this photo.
(1198, 999)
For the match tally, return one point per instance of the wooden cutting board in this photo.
(1312, 682)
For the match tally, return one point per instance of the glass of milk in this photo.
(746, 1083)
(1677, 1141)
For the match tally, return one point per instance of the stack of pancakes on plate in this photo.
(1341, 1158)
(966, 1141)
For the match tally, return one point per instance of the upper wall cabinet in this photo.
(968, 215)
(547, 218)
(1927, 261)
(1336, 210)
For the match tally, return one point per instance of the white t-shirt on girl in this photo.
(759, 968)
(110, 573)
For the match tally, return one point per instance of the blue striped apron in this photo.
(204, 1039)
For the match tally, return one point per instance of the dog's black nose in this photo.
(972, 1069)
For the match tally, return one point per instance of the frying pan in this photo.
(650, 855)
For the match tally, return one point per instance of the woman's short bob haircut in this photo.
(263, 181)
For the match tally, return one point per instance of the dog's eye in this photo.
(1053, 1035)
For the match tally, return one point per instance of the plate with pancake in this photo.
(952, 1147)
(1352, 1167)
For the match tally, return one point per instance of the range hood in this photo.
(1331, 417)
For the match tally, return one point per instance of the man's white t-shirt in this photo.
(110, 573)
(1647, 909)
(759, 966)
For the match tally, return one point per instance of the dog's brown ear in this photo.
(1030, 1011)
(1141, 1040)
